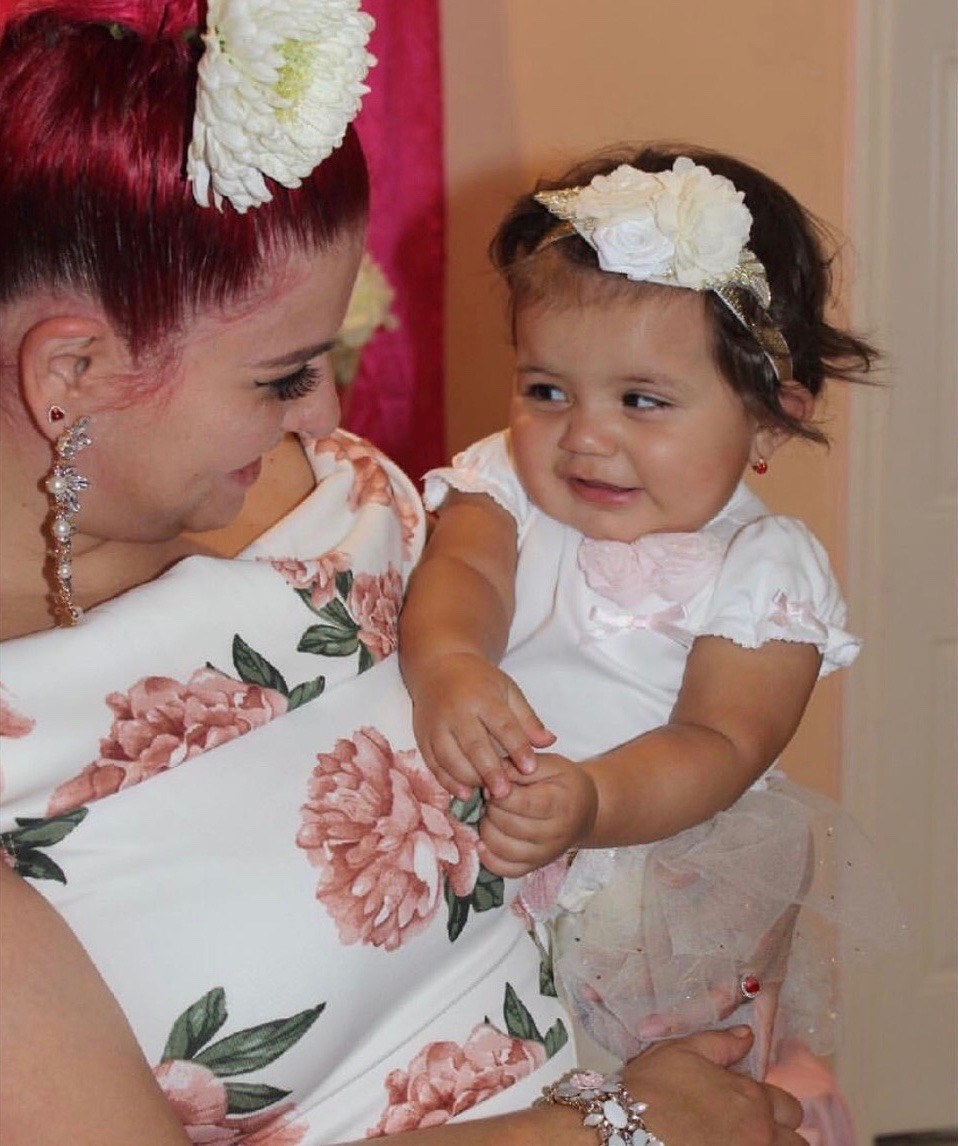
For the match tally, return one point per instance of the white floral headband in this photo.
(685, 228)
(279, 82)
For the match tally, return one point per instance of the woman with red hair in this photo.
(211, 936)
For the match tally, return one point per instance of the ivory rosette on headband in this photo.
(279, 82)
(684, 228)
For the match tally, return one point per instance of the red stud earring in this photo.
(56, 414)
(760, 466)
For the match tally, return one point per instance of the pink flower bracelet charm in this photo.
(607, 1106)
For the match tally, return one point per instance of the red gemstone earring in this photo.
(760, 466)
(56, 414)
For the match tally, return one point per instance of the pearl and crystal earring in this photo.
(64, 485)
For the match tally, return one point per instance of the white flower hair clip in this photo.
(684, 228)
(279, 82)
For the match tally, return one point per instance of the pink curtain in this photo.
(396, 397)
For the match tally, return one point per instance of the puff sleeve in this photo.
(484, 467)
(776, 584)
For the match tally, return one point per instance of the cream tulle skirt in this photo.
(652, 941)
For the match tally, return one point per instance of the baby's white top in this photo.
(602, 629)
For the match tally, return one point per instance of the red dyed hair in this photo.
(94, 128)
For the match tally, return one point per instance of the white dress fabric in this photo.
(598, 644)
(214, 780)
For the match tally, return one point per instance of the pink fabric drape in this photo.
(826, 1120)
(396, 397)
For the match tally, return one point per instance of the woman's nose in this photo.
(585, 432)
(316, 414)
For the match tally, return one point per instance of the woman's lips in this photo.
(248, 474)
(601, 493)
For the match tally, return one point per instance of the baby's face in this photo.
(621, 423)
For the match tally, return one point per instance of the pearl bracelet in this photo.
(607, 1105)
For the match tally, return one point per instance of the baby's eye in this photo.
(296, 385)
(637, 401)
(544, 392)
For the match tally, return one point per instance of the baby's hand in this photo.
(543, 816)
(468, 716)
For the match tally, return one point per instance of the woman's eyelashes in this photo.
(296, 385)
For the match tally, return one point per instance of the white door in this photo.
(898, 1064)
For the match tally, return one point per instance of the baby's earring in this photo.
(760, 465)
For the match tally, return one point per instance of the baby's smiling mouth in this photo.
(591, 489)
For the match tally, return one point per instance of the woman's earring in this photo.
(64, 485)
(760, 465)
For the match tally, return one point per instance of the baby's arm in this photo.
(736, 711)
(452, 633)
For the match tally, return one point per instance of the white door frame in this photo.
(881, 1092)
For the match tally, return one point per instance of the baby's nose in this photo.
(586, 432)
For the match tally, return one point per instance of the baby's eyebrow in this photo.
(534, 368)
(295, 356)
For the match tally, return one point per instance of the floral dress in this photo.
(214, 780)
(599, 643)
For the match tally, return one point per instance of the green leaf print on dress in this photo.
(253, 668)
(488, 891)
(359, 612)
(192, 1069)
(21, 845)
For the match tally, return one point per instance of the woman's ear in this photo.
(68, 362)
(798, 403)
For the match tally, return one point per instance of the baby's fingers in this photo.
(529, 727)
(765, 1010)
(477, 748)
(702, 1010)
(450, 766)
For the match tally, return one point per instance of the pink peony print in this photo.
(374, 602)
(445, 1079)
(200, 1101)
(377, 825)
(160, 723)
(409, 513)
(13, 723)
(674, 566)
(370, 479)
(318, 574)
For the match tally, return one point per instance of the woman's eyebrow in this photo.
(295, 356)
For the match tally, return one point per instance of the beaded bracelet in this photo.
(607, 1105)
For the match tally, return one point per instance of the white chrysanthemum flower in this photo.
(279, 82)
(369, 310)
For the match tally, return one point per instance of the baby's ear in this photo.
(798, 403)
(69, 363)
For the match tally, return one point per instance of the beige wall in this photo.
(532, 84)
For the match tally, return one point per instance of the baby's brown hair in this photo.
(796, 249)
